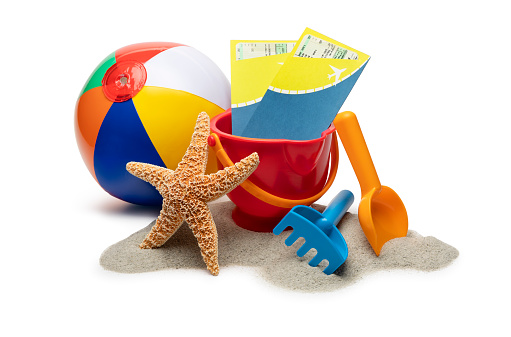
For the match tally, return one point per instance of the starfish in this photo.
(186, 191)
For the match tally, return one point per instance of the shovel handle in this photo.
(352, 139)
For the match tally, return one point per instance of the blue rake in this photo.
(319, 231)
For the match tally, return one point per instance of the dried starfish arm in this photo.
(201, 222)
(196, 156)
(167, 224)
(153, 174)
(218, 184)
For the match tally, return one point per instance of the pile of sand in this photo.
(276, 262)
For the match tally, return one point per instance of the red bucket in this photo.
(290, 173)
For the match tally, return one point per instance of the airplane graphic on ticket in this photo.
(290, 89)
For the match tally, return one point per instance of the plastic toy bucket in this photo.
(290, 173)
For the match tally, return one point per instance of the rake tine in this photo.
(330, 269)
(279, 228)
(304, 249)
(316, 260)
(292, 238)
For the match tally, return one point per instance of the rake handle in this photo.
(336, 210)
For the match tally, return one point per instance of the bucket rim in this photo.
(223, 134)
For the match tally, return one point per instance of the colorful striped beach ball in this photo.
(141, 104)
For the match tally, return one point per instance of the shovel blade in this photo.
(382, 216)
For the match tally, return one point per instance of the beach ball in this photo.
(141, 104)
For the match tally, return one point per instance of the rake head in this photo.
(318, 234)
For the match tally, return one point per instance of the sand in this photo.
(274, 261)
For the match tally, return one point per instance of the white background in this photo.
(432, 104)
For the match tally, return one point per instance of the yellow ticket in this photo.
(254, 64)
(307, 91)
(317, 61)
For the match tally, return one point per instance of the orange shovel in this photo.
(381, 213)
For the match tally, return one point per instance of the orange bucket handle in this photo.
(250, 187)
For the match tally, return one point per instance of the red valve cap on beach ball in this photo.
(124, 80)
